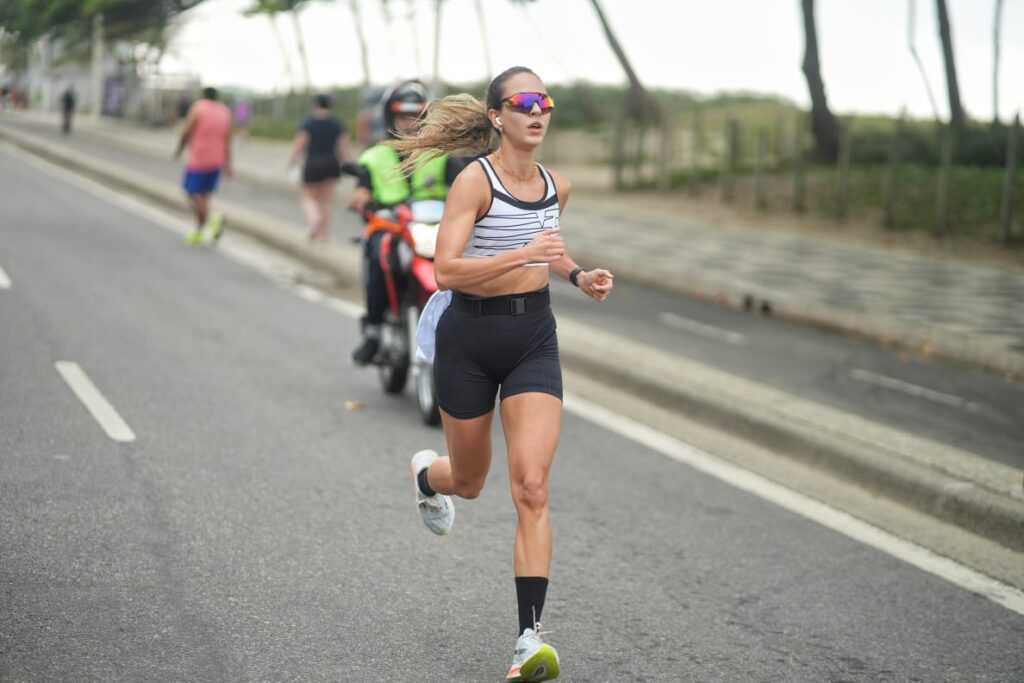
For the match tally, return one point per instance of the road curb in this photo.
(965, 490)
(883, 461)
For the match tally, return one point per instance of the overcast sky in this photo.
(702, 45)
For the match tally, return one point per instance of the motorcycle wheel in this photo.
(426, 395)
(393, 375)
(394, 367)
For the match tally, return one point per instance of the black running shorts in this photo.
(483, 344)
(320, 168)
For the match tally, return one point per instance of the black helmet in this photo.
(406, 97)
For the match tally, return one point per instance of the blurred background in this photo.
(891, 114)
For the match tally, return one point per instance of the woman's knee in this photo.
(467, 488)
(531, 491)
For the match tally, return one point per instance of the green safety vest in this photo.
(389, 187)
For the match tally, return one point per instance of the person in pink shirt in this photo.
(207, 134)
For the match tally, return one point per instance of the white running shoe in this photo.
(533, 660)
(437, 511)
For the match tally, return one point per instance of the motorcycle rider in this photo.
(381, 186)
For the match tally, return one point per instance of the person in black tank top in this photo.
(498, 242)
(324, 142)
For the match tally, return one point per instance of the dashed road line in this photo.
(704, 330)
(913, 390)
(94, 401)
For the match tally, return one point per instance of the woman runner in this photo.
(497, 244)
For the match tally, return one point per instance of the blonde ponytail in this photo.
(456, 124)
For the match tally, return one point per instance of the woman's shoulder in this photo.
(562, 184)
(471, 185)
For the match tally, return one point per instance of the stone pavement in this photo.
(953, 307)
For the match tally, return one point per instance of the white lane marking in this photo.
(178, 225)
(5, 282)
(816, 511)
(913, 389)
(344, 307)
(309, 293)
(88, 394)
(709, 331)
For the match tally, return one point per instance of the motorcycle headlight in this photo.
(424, 236)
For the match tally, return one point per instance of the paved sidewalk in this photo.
(966, 311)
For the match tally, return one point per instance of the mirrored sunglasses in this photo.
(523, 102)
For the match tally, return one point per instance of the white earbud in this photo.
(497, 120)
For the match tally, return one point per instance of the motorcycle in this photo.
(407, 259)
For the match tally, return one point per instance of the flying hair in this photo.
(456, 125)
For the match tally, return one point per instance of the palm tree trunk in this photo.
(645, 106)
(272, 18)
(483, 38)
(911, 45)
(436, 84)
(956, 110)
(997, 28)
(301, 43)
(823, 123)
(358, 25)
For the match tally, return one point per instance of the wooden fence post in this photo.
(667, 150)
(729, 159)
(1009, 178)
(892, 170)
(843, 168)
(759, 195)
(619, 146)
(945, 171)
(799, 189)
(696, 151)
(641, 153)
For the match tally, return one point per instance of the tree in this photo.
(71, 20)
(357, 23)
(645, 107)
(642, 106)
(956, 110)
(267, 10)
(997, 27)
(823, 123)
(911, 40)
(292, 7)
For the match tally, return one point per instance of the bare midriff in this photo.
(520, 280)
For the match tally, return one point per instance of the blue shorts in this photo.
(201, 182)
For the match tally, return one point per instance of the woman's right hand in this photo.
(546, 247)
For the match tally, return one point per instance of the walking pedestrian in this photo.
(207, 134)
(324, 142)
(498, 244)
(67, 109)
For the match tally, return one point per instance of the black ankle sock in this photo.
(421, 481)
(530, 592)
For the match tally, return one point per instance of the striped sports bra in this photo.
(510, 223)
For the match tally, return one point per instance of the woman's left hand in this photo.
(597, 283)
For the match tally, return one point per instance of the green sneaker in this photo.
(194, 237)
(215, 225)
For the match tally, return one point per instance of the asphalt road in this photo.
(950, 403)
(255, 529)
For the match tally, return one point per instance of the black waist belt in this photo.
(510, 304)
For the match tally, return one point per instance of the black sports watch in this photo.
(575, 273)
